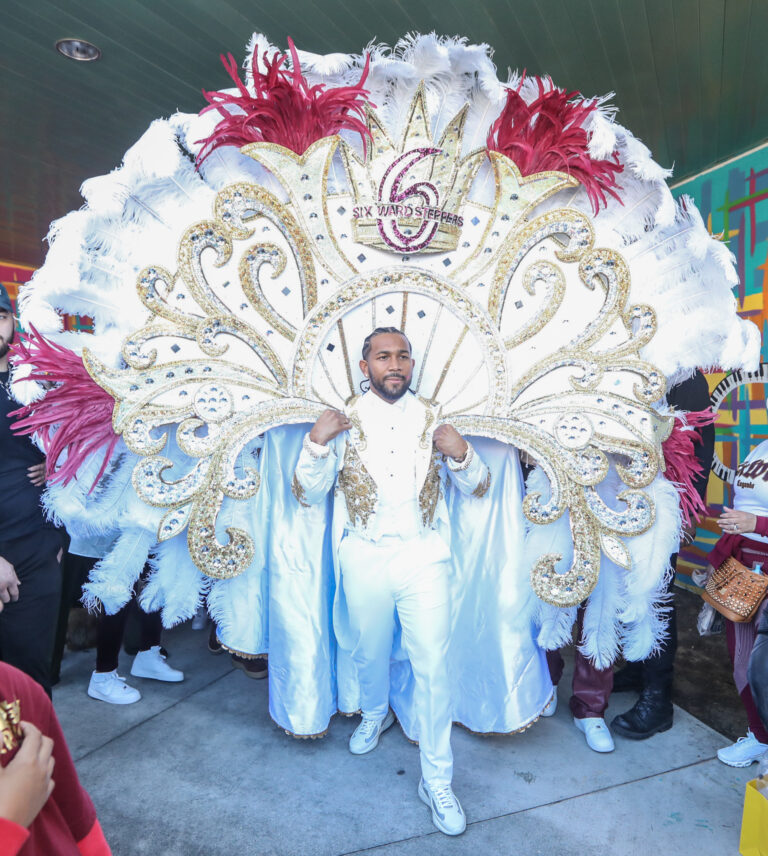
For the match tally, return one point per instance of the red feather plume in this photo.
(547, 134)
(285, 110)
(74, 416)
(682, 465)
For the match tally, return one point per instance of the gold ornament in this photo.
(252, 331)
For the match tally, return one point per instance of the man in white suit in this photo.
(388, 469)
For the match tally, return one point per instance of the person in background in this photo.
(591, 690)
(758, 670)
(393, 561)
(255, 667)
(30, 546)
(44, 810)
(105, 683)
(745, 537)
(652, 677)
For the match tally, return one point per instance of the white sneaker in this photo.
(366, 736)
(596, 731)
(151, 664)
(447, 813)
(200, 619)
(551, 708)
(742, 753)
(111, 688)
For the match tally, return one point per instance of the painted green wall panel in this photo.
(733, 200)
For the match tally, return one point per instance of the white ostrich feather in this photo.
(261, 43)
(175, 584)
(325, 65)
(112, 579)
(601, 630)
(650, 551)
(485, 106)
(602, 134)
(555, 624)
(89, 511)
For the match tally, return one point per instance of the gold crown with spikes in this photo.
(408, 198)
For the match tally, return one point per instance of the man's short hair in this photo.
(376, 332)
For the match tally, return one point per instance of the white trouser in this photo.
(410, 577)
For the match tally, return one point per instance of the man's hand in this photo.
(36, 474)
(26, 782)
(330, 424)
(736, 522)
(9, 583)
(448, 441)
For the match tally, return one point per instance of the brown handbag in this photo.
(735, 591)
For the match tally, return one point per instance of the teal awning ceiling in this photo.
(690, 76)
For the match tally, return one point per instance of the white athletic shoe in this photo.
(551, 708)
(366, 736)
(742, 753)
(596, 731)
(111, 688)
(447, 813)
(151, 664)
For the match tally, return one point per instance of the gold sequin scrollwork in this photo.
(572, 473)
(358, 487)
(297, 489)
(10, 725)
(429, 495)
(560, 223)
(571, 587)
(483, 487)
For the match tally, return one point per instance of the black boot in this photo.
(651, 714)
(629, 678)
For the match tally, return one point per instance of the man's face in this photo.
(389, 366)
(7, 328)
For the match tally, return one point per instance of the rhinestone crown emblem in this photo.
(409, 198)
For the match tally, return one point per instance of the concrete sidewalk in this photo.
(200, 768)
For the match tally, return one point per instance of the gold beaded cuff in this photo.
(313, 449)
(458, 466)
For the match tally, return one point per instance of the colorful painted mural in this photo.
(733, 199)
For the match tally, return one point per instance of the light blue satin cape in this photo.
(283, 604)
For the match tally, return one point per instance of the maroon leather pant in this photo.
(591, 686)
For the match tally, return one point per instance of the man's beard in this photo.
(389, 394)
(6, 345)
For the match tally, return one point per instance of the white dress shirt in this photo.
(391, 455)
(392, 451)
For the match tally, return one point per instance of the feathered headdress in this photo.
(682, 466)
(75, 416)
(549, 134)
(285, 109)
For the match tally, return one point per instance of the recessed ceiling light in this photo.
(78, 49)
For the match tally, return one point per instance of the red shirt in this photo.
(67, 824)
